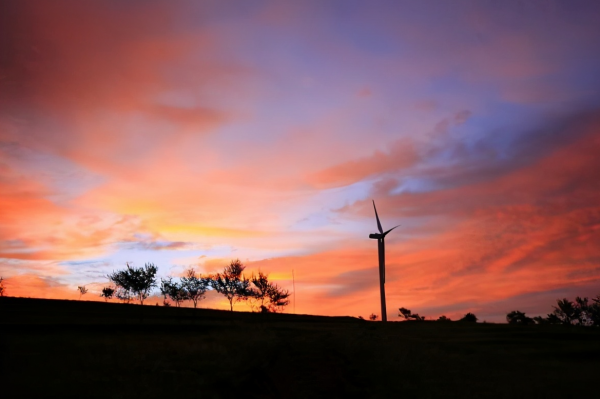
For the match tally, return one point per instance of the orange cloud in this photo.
(34, 286)
(400, 155)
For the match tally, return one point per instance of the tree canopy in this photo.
(107, 293)
(268, 296)
(517, 317)
(232, 283)
(173, 290)
(134, 282)
(195, 286)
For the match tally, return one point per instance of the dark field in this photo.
(53, 348)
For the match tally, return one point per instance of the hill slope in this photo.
(68, 348)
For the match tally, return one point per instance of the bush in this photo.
(469, 317)
(516, 317)
(107, 293)
(408, 315)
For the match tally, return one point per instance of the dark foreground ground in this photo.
(52, 348)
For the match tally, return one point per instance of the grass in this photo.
(52, 348)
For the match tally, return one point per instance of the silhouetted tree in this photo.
(408, 315)
(443, 318)
(566, 311)
(551, 318)
(265, 295)
(123, 295)
(2, 288)
(107, 293)
(195, 286)
(582, 306)
(260, 291)
(137, 281)
(278, 298)
(594, 311)
(231, 283)
(173, 290)
(469, 317)
(82, 291)
(516, 317)
(373, 317)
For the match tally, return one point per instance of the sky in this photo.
(188, 134)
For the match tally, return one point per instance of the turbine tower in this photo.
(381, 249)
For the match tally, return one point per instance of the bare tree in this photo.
(82, 291)
(231, 283)
(136, 281)
(2, 288)
(373, 317)
(195, 286)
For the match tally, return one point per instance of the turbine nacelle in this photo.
(381, 234)
(377, 236)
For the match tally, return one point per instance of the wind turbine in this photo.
(381, 248)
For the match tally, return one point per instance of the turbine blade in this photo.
(377, 217)
(384, 234)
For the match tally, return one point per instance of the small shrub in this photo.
(469, 317)
(516, 317)
(107, 293)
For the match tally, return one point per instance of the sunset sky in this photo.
(190, 133)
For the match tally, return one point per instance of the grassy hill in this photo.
(55, 348)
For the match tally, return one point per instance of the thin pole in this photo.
(294, 285)
(381, 248)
